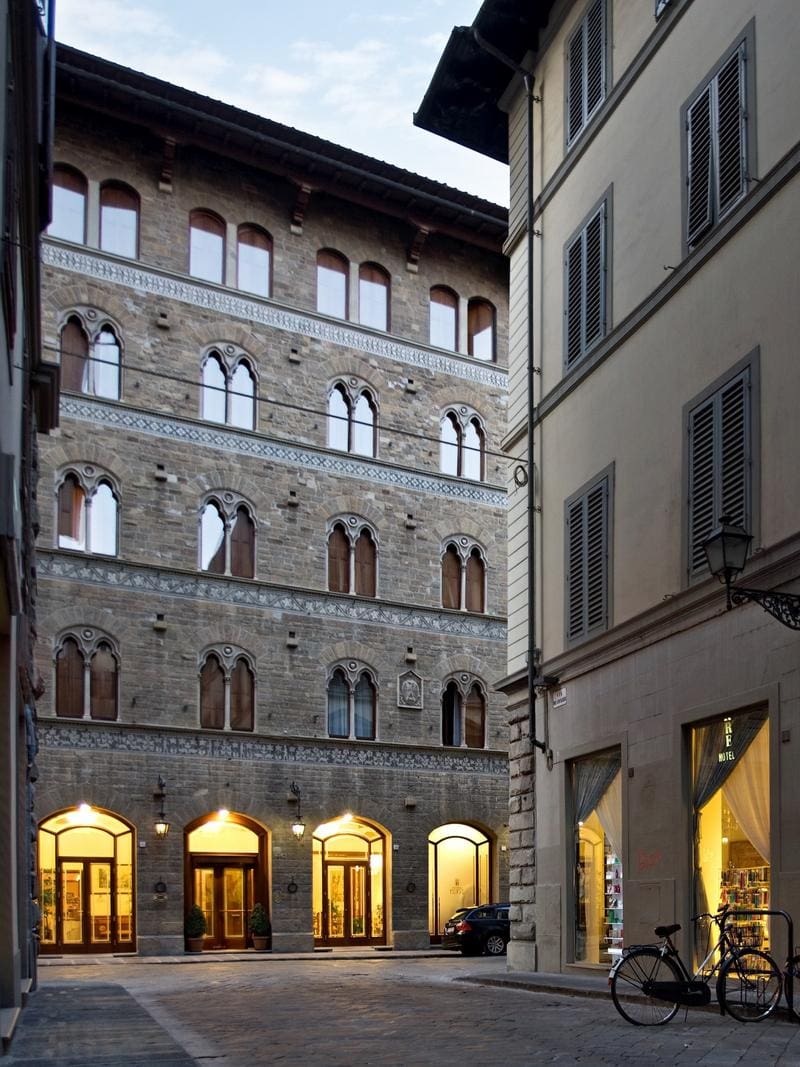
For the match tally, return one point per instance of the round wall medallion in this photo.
(91, 314)
(292, 887)
(229, 350)
(87, 634)
(353, 520)
(352, 665)
(227, 649)
(464, 541)
(160, 887)
(464, 677)
(464, 410)
(353, 381)
(411, 887)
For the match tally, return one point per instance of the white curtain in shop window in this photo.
(747, 792)
(609, 812)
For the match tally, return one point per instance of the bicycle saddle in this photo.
(665, 931)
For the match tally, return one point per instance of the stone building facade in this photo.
(272, 554)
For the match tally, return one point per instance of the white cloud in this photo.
(436, 41)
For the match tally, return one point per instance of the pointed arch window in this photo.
(463, 576)
(87, 676)
(69, 680)
(206, 246)
(352, 703)
(332, 283)
(462, 444)
(444, 318)
(119, 220)
(227, 690)
(228, 390)
(69, 205)
(90, 358)
(88, 512)
(352, 419)
(464, 713)
(254, 260)
(481, 330)
(352, 558)
(227, 536)
(373, 296)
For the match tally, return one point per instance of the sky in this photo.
(351, 71)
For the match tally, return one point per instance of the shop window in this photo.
(87, 676)
(464, 713)
(459, 873)
(90, 356)
(227, 536)
(373, 296)
(254, 260)
(352, 703)
(352, 557)
(444, 318)
(206, 246)
(463, 576)
(227, 689)
(349, 883)
(119, 220)
(462, 447)
(598, 890)
(88, 509)
(731, 818)
(69, 205)
(352, 418)
(332, 284)
(228, 388)
(481, 330)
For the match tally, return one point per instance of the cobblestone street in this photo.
(126, 1013)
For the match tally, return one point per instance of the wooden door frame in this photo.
(218, 863)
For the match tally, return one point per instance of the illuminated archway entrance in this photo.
(349, 883)
(459, 872)
(86, 882)
(226, 874)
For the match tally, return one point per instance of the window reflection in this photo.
(119, 220)
(69, 205)
(444, 318)
(338, 419)
(212, 540)
(101, 372)
(206, 246)
(103, 526)
(481, 329)
(449, 447)
(373, 297)
(213, 391)
(364, 427)
(242, 393)
(332, 272)
(253, 264)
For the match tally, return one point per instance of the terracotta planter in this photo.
(260, 944)
(194, 944)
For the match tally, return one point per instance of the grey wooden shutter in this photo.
(587, 562)
(700, 161)
(595, 58)
(735, 450)
(576, 576)
(586, 74)
(594, 279)
(574, 297)
(701, 482)
(575, 111)
(730, 132)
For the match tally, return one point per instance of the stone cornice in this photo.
(117, 737)
(236, 305)
(160, 581)
(240, 442)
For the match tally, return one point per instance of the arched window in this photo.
(332, 279)
(206, 246)
(228, 389)
(464, 713)
(352, 557)
(462, 444)
(463, 576)
(69, 205)
(352, 419)
(88, 512)
(87, 676)
(119, 220)
(444, 318)
(227, 690)
(373, 296)
(254, 260)
(227, 536)
(98, 373)
(352, 703)
(481, 330)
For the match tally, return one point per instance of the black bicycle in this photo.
(650, 982)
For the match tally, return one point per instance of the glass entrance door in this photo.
(224, 892)
(85, 904)
(346, 908)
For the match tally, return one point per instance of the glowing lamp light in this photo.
(298, 828)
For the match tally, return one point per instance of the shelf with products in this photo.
(746, 889)
(612, 934)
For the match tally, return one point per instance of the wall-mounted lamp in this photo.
(298, 826)
(726, 550)
(161, 826)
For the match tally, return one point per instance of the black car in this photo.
(485, 928)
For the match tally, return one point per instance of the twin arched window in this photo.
(464, 713)
(227, 690)
(352, 422)
(352, 703)
(227, 537)
(333, 274)
(87, 676)
(463, 576)
(228, 392)
(90, 356)
(352, 558)
(463, 444)
(88, 512)
(481, 332)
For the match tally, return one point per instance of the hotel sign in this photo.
(727, 755)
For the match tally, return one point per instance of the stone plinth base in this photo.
(522, 956)
(289, 942)
(408, 939)
(163, 945)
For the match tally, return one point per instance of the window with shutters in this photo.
(462, 443)
(586, 274)
(91, 354)
(352, 695)
(227, 535)
(586, 75)
(87, 675)
(119, 219)
(87, 505)
(352, 418)
(206, 246)
(587, 559)
(464, 712)
(463, 575)
(227, 680)
(228, 387)
(352, 556)
(720, 463)
(719, 149)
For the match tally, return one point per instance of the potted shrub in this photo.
(195, 928)
(260, 927)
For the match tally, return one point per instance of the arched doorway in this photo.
(349, 883)
(86, 882)
(459, 872)
(226, 874)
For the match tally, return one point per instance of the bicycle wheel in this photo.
(793, 969)
(634, 970)
(749, 985)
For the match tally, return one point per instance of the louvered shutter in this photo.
(574, 296)
(575, 84)
(700, 161)
(594, 279)
(338, 561)
(242, 545)
(451, 579)
(701, 481)
(365, 565)
(735, 451)
(587, 562)
(242, 694)
(576, 573)
(212, 695)
(586, 75)
(730, 132)
(595, 59)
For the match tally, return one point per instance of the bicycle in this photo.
(650, 982)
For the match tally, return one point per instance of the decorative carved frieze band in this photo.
(344, 464)
(232, 304)
(161, 582)
(121, 738)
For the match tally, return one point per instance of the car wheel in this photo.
(495, 945)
